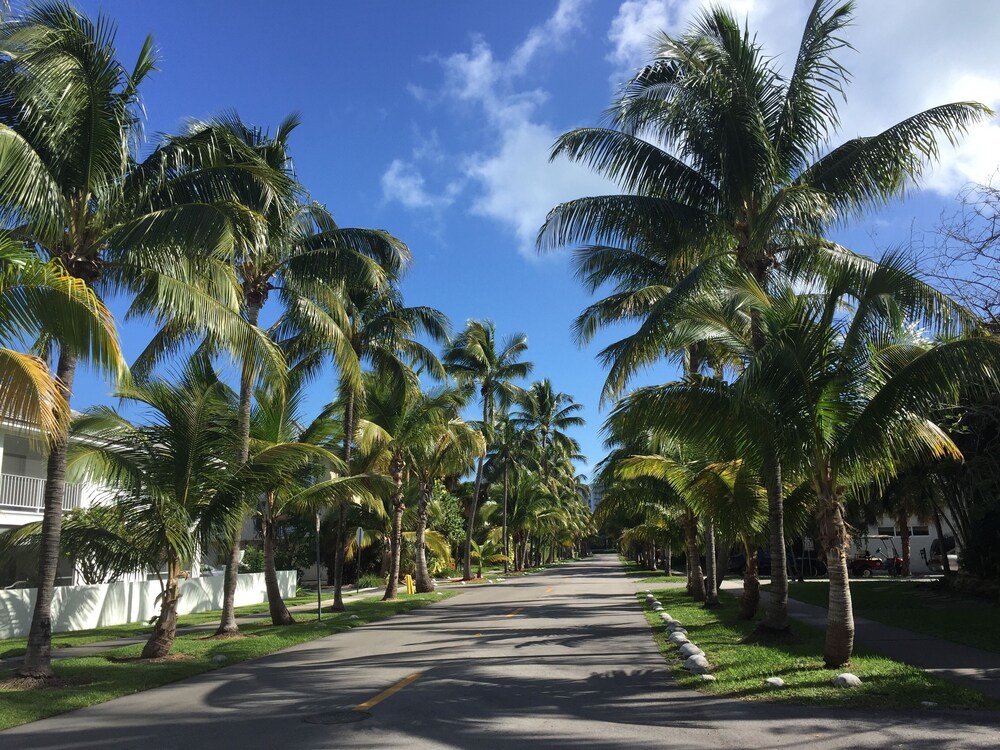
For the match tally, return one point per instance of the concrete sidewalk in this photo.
(968, 666)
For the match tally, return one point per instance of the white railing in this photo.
(27, 494)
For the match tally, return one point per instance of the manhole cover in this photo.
(337, 717)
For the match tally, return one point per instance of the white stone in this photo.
(353, 617)
(220, 659)
(708, 678)
(697, 664)
(775, 682)
(666, 617)
(847, 680)
(689, 649)
(657, 607)
(677, 638)
(928, 704)
(675, 627)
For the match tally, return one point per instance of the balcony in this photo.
(27, 494)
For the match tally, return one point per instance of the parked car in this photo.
(935, 562)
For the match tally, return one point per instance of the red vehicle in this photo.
(865, 564)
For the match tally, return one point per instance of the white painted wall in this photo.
(84, 607)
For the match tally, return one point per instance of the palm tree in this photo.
(39, 300)
(382, 336)
(712, 147)
(165, 477)
(856, 395)
(71, 184)
(548, 414)
(474, 359)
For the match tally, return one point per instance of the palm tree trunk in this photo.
(777, 608)
(396, 540)
(425, 584)
(711, 582)
(904, 542)
(165, 630)
(341, 530)
(506, 546)
(939, 529)
(227, 623)
(275, 604)
(471, 525)
(667, 553)
(840, 614)
(696, 580)
(38, 655)
(750, 600)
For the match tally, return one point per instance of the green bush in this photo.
(253, 561)
(370, 580)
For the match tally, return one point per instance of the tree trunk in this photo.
(669, 560)
(904, 542)
(425, 584)
(945, 563)
(227, 623)
(711, 582)
(721, 562)
(165, 629)
(506, 545)
(275, 604)
(840, 615)
(777, 608)
(341, 529)
(471, 525)
(395, 542)
(750, 600)
(696, 579)
(38, 655)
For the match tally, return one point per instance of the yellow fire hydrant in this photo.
(410, 588)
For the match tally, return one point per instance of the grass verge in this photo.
(645, 575)
(926, 608)
(15, 646)
(740, 669)
(96, 679)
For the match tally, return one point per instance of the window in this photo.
(15, 464)
(920, 531)
(887, 531)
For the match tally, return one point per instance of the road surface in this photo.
(560, 659)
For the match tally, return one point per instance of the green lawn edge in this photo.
(98, 679)
(740, 670)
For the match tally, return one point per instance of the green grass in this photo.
(98, 679)
(740, 669)
(921, 607)
(645, 575)
(15, 646)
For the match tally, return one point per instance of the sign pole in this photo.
(319, 587)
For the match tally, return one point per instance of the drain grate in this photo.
(337, 717)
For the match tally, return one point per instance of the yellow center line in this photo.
(387, 693)
(514, 612)
(550, 589)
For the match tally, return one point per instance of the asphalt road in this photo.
(561, 659)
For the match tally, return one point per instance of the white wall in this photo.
(84, 607)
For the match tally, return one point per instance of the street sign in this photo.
(359, 536)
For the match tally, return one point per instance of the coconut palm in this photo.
(548, 414)
(475, 358)
(381, 336)
(40, 300)
(164, 478)
(72, 186)
(855, 393)
(712, 146)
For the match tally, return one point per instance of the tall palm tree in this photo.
(475, 358)
(165, 477)
(381, 335)
(72, 186)
(548, 414)
(856, 395)
(712, 146)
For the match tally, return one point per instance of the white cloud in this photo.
(511, 179)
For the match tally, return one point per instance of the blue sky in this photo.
(433, 120)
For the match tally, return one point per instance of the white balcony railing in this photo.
(27, 494)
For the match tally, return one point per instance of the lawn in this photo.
(645, 575)
(740, 669)
(922, 607)
(15, 646)
(95, 679)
